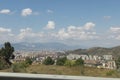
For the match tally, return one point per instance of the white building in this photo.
(107, 57)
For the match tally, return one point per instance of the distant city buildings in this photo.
(104, 61)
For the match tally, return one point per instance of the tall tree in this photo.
(6, 52)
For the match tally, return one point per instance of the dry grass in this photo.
(64, 70)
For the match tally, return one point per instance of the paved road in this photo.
(24, 76)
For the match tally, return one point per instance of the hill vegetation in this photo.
(115, 51)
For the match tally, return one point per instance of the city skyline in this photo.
(73, 22)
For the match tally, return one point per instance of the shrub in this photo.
(110, 73)
(61, 61)
(3, 64)
(19, 67)
(69, 63)
(79, 62)
(48, 61)
(28, 61)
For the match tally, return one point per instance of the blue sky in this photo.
(73, 22)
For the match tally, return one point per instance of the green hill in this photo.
(115, 51)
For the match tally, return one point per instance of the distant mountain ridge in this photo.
(41, 46)
(115, 51)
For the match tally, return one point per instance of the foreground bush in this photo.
(3, 65)
(19, 67)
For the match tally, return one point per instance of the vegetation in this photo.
(6, 53)
(63, 65)
(118, 63)
(64, 70)
(48, 61)
(115, 51)
(28, 61)
(3, 64)
(19, 67)
(79, 61)
(61, 61)
(70, 63)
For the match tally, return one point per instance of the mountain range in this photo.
(41, 46)
(115, 51)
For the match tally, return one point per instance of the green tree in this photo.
(79, 61)
(48, 61)
(118, 63)
(61, 61)
(6, 52)
(69, 63)
(28, 61)
(3, 64)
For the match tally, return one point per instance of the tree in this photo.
(61, 61)
(28, 61)
(118, 63)
(6, 52)
(69, 63)
(48, 61)
(79, 61)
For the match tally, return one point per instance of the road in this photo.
(25, 76)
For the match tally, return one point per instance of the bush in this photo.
(61, 61)
(48, 61)
(69, 63)
(3, 64)
(110, 73)
(28, 61)
(19, 67)
(79, 62)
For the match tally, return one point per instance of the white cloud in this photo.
(50, 25)
(114, 33)
(26, 12)
(71, 34)
(26, 30)
(49, 11)
(28, 33)
(115, 29)
(62, 34)
(5, 11)
(4, 30)
(25, 33)
(6, 35)
(78, 33)
(89, 25)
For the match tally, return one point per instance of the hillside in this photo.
(115, 51)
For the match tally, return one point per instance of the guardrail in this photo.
(25, 76)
